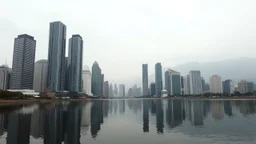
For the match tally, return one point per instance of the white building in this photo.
(87, 80)
(195, 82)
(25, 92)
(186, 83)
(5, 73)
(215, 84)
(121, 90)
(40, 76)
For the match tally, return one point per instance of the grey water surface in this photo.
(130, 121)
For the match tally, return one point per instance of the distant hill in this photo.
(234, 69)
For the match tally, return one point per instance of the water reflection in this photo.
(69, 122)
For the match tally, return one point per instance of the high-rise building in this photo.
(23, 62)
(250, 87)
(242, 86)
(186, 82)
(111, 93)
(228, 87)
(130, 92)
(56, 56)
(66, 86)
(205, 86)
(87, 80)
(115, 90)
(215, 84)
(75, 63)
(195, 82)
(102, 84)
(5, 75)
(182, 85)
(96, 79)
(40, 75)
(145, 79)
(121, 90)
(158, 79)
(106, 89)
(152, 89)
(172, 82)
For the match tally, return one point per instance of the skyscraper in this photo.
(215, 84)
(152, 89)
(23, 62)
(96, 79)
(40, 75)
(111, 94)
(250, 87)
(158, 79)
(56, 56)
(195, 82)
(115, 90)
(121, 90)
(75, 63)
(87, 80)
(182, 85)
(186, 82)
(242, 85)
(106, 89)
(228, 87)
(172, 82)
(145, 79)
(5, 75)
(102, 84)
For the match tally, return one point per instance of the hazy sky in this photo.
(123, 34)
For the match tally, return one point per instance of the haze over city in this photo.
(121, 35)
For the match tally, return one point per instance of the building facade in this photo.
(242, 85)
(172, 83)
(158, 79)
(215, 84)
(152, 89)
(5, 75)
(23, 62)
(121, 90)
(186, 81)
(75, 63)
(250, 87)
(87, 80)
(96, 79)
(145, 79)
(228, 86)
(106, 89)
(40, 75)
(56, 57)
(195, 82)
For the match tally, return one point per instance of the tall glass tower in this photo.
(23, 62)
(158, 79)
(75, 63)
(96, 79)
(56, 56)
(144, 79)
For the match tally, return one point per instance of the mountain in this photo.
(234, 69)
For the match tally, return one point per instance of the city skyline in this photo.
(205, 35)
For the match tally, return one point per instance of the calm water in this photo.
(130, 122)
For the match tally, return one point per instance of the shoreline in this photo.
(28, 101)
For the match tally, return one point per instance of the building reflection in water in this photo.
(159, 117)
(146, 115)
(217, 110)
(18, 130)
(58, 123)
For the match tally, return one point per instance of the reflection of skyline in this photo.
(159, 116)
(67, 124)
(146, 116)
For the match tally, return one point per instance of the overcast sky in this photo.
(123, 34)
